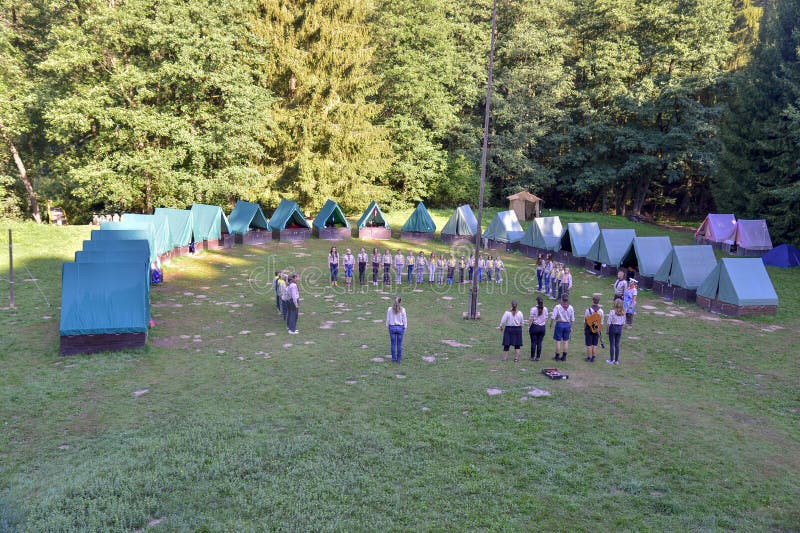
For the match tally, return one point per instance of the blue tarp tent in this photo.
(784, 255)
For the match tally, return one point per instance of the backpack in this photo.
(594, 321)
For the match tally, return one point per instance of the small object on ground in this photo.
(553, 373)
(494, 392)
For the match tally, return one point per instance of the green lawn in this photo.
(244, 427)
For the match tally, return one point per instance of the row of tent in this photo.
(743, 237)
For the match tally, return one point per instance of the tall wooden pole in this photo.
(10, 271)
(473, 295)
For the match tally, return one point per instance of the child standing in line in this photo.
(362, 265)
(539, 272)
(555, 275)
(592, 328)
(376, 262)
(563, 316)
(567, 281)
(616, 319)
(547, 274)
(399, 264)
(333, 263)
(537, 328)
(387, 267)
(462, 264)
(498, 269)
(349, 260)
(489, 269)
(410, 267)
(451, 269)
(629, 301)
(481, 266)
(561, 273)
(432, 268)
(441, 267)
(421, 264)
(276, 288)
(471, 267)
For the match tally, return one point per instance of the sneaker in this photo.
(295, 332)
(557, 357)
(609, 361)
(587, 359)
(616, 362)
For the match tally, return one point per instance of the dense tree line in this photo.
(639, 106)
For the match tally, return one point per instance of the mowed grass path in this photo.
(697, 429)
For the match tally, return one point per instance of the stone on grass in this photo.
(64, 447)
(536, 393)
(400, 376)
(494, 392)
(269, 334)
(429, 359)
(377, 359)
(244, 332)
(287, 345)
(455, 344)
(351, 382)
(139, 392)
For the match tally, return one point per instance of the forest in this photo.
(667, 108)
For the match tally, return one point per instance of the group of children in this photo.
(440, 268)
(553, 279)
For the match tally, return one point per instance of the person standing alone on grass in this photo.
(362, 265)
(333, 263)
(616, 319)
(537, 328)
(293, 304)
(592, 328)
(396, 322)
(511, 326)
(563, 316)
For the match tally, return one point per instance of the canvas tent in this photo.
(111, 234)
(543, 235)
(577, 241)
(752, 237)
(683, 270)
(330, 223)
(419, 226)
(248, 224)
(372, 224)
(288, 222)
(610, 248)
(504, 231)
(717, 230)
(104, 307)
(462, 226)
(738, 286)
(525, 205)
(162, 237)
(783, 256)
(646, 257)
(210, 226)
(180, 228)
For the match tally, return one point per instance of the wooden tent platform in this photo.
(723, 308)
(291, 234)
(106, 342)
(333, 234)
(253, 237)
(416, 236)
(375, 233)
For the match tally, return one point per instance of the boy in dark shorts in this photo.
(563, 316)
(593, 325)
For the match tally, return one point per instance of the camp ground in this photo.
(752, 238)
(372, 225)
(503, 232)
(542, 236)
(248, 224)
(419, 227)
(738, 286)
(210, 227)
(610, 249)
(683, 270)
(645, 258)
(577, 241)
(782, 256)
(288, 223)
(461, 227)
(330, 223)
(718, 230)
(180, 228)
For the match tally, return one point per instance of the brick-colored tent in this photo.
(525, 205)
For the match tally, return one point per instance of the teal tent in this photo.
(288, 215)
(462, 222)
(648, 254)
(420, 221)
(373, 217)
(611, 246)
(114, 233)
(740, 282)
(180, 225)
(116, 256)
(544, 233)
(209, 222)
(687, 266)
(162, 237)
(579, 237)
(331, 215)
(102, 298)
(504, 227)
(140, 246)
(246, 215)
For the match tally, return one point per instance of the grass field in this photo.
(225, 422)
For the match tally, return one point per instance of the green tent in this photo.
(647, 254)
(373, 217)
(461, 222)
(180, 225)
(162, 237)
(115, 256)
(246, 215)
(544, 233)
(331, 215)
(687, 266)
(140, 246)
(209, 222)
(99, 298)
(504, 227)
(611, 246)
(420, 221)
(739, 281)
(579, 237)
(288, 215)
(110, 232)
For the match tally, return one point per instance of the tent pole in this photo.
(10, 270)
